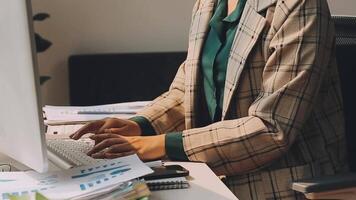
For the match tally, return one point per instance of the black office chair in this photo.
(346, 58)
(341, 186)
(121, 77)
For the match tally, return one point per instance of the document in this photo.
(74, 183)
(81, 114)
(63, 129)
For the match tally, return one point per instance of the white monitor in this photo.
(21, 124)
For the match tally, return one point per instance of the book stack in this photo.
(167, 177)
(168, 183)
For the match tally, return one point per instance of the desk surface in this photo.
(203, 183)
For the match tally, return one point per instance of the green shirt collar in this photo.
(219, 14)
(220, 22)
(236, 14)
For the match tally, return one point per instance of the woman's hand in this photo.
(109, 125)
(113, 146)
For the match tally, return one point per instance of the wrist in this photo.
(155, 146)
(137, 130)
(152, 147)
(162, 145)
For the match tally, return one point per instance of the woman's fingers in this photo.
(111, 124)
(88, 128)
(117, 155)
(115, 151)
(112, 146)
(100, 137)
(99, 127)
(106, 125)
(108, 140)
(119, 148)
(115, 130)
(103, 155)
(99, 155)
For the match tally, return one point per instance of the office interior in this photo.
(126, 36)
(115, 27)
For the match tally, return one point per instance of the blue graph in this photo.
(99, 167)
(91, 172)
(102, 179)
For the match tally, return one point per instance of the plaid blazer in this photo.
(282, 116)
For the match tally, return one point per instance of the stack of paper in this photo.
(75, 116)
(61, 114)
(100, 181)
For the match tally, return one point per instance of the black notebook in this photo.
(168, 183)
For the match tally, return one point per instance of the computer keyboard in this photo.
(67, 153)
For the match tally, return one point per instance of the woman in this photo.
(258, 99)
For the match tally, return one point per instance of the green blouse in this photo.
(214, 60)
(216, 53)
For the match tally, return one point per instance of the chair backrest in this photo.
(346, 58)
(121, 77)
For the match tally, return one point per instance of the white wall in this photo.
(99, 26)
(106, 26)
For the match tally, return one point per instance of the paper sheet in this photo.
(89, 113)
(68, 184)
(64, 129)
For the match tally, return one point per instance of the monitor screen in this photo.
(21, 125)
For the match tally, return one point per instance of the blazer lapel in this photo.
(198, 32)
(248, 33)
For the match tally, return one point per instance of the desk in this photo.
(204, 184)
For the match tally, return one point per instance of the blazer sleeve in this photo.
(292, 77)
(166, 113)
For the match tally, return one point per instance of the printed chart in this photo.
(74, 182)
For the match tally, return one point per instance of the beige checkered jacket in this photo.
(282, 115)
